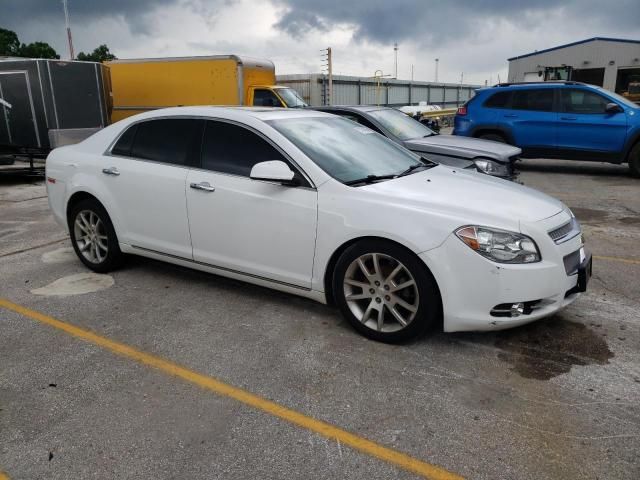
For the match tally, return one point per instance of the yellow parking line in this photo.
(327, 430)
(632, 261)
(4, 476)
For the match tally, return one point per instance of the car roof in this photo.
(260, 113)
(351, 108)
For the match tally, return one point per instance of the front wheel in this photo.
(385, 292)
(93, 236)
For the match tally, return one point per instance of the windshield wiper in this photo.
(412, 168)
(370, 179)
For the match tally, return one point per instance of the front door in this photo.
(585, 126)
(262, 229)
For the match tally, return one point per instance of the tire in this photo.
(634, 160)
(494, 137)
(93, 236)
(360, 299)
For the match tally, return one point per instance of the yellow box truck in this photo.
(146, 84)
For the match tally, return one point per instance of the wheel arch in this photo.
(79, 196)
(333, 260)
(482, 130)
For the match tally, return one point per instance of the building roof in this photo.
(593, 39)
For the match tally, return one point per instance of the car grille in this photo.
(565, 232)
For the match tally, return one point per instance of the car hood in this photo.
(468, 196)
(463, 147)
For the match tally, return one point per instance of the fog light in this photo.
(517, 309)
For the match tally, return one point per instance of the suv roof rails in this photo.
(562, 82)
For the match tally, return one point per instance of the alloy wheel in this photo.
(91, 236)
(381, 292)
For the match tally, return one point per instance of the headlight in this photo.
(499, 245)
(491, 168)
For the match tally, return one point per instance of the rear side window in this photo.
(229, 148)
(165, 140)
(582, 101)
(536, 99)
(498, 100)
(124, 143)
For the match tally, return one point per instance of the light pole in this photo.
(437, 60)
(66, 20)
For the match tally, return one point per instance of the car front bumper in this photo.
(476, 291)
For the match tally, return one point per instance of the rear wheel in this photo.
(634, 160)
(385, 292)
(93, 236)
(494, 137)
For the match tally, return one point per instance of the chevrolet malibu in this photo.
(315, 205)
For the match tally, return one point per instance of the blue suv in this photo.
(570, 120)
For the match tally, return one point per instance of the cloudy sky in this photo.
(471, 36)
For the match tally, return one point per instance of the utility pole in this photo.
(66, 20)
(461, 78)
(329, 66)
(437, 60)
(395, 65)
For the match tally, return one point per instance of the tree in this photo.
(9, 43)
(100, 54)
(37, 50)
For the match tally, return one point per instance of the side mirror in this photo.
(613, 108)
(273, 171)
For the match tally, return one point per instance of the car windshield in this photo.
(291, 98)
(345, 150)
(400, 124)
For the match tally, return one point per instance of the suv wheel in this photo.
(634, 160)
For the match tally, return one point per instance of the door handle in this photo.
(510, 115)
(205, 186)
(111, 171)
(568, 118)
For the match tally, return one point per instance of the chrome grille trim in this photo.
(565, 232)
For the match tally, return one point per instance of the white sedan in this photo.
(315, 205)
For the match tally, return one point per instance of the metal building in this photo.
(347, 90)
(612, 63)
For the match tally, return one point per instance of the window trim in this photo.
(198, 163)
(109, 151)
(568, 89)
(287, 158)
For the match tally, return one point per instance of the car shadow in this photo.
(574, 167)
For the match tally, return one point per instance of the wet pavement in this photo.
(559, 398)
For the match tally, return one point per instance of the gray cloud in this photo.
(434, 21)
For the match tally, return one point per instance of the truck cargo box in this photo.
(41, 99)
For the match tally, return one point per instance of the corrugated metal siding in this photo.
(367, 91)
(596, 54)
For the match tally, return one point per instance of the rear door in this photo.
(145, 174)
(585, 126)
(260, 228)
(531, 119)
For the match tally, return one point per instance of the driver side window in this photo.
(265, 98)
(582, 101)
